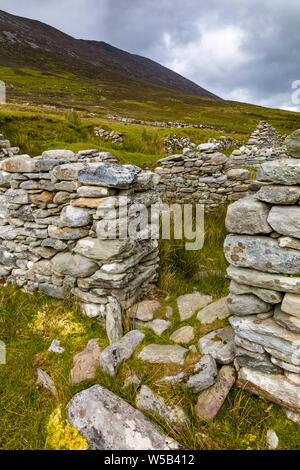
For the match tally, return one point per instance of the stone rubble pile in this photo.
(201, 176)
(172, 143)
(263, 249)
(113, 136)
(56, 218)
(264, 144)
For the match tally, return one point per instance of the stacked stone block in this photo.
(264, 144)
(52, 211)
(201, 177)
(6, 150)
(263, 249)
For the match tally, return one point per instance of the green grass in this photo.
(32, 418)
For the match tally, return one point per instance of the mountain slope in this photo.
(26, 43)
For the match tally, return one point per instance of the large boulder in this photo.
(285, 171)
(248, 216)
(293, 144)
(109, 423)
(285, 220)
(261, 253)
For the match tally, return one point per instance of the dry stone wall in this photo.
(263, 249)
(56, 212)
(264, 144)
(202, 177)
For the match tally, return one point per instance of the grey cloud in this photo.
(237, 49)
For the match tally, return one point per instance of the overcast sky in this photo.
(245, 50)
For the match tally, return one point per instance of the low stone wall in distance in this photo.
(52, 212)
(263, 250)
(202, 177)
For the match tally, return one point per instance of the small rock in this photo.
(211, 400)
(173, 379)
(114, 327)
(219, 344)
(183, 335)
(190, 303)
(112, 357)
(45, 380)
(169, 312)
(147, 400)
(163, 354)
(86, 363)
(158, 326)
(55, 347)
(145, 310)
(272, 439)
(132, 380)
(206, 374)
(216, 311)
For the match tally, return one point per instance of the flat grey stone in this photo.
(248, 216)
(247, 304)
(45, 380)
(249, 345)
(183, 335)
(55, 347)
(219, 344)
(73, 265)
(256, 278)
(110, 175)
(285, 171)
(256, 361)
(75, 216)
(289, 242)
(216, 311)
(267, 295)
(275, 388)
(272, 439)
(211, 399)
(51, 290)
(112, 357)
(289, 322)
(205, 374)
(144, 310)
(267, 333)
(86, 363)
(188, 304)
(285, 220)
(279, 194)
(114, 327)
(163, 354)
(67, 233)
(102, 249)
(147, 400)
(173, 379)
(285, 365)
(261, 253)
(158, 326)
(109, 423)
